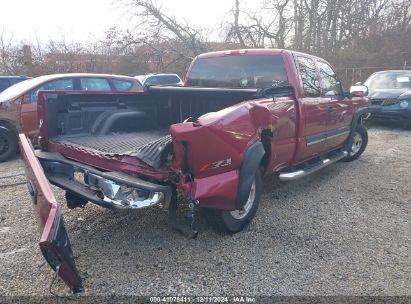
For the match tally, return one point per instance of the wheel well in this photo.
(266, 136)
(362, 117)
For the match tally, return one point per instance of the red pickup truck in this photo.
(242, 115)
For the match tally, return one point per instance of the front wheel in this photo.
(359, 143)
(236, 220)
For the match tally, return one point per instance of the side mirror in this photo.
(359, 90)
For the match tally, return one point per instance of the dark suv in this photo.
(8, 81)
(392, 91)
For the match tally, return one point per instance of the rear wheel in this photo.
(359, 143)
(8, 144)
(236, 220)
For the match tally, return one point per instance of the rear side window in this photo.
(94, 84)
(4, 84)
(244, 71)
(331, 85)
(309, 77)
(122, 85)
(65, 84)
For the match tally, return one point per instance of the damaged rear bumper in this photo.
(106, 189)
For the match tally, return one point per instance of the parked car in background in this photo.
(8, 81)
(160, 79)
(18, 104)
(391, 90)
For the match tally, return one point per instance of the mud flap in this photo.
(54, 242)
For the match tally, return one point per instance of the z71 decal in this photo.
(216, 165)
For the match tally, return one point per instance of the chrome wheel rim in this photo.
(356, 145)
(242, 213)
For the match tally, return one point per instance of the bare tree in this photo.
(11, 56)
(349, 33)
(236, 28)
(322, 27)
(269, 25)
(153, 25)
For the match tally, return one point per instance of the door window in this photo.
(331, 85)
(65, 84)
(94, 84)
(309, 77)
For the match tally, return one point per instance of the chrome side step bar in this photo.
(289, 176)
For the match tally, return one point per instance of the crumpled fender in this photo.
(219, 143)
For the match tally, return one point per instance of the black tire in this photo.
(406, 125)
(8, 144)
(75, 201)
(233, 221)
(359, 144)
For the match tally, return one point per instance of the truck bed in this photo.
(129, 124)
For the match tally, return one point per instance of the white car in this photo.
(160, 79)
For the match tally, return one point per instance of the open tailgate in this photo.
(54, 242)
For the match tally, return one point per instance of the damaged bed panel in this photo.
(153, 153)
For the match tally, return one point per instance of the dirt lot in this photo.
(342, 231)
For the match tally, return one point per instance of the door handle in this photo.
(330, 109)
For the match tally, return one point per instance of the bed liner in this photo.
(148, 146)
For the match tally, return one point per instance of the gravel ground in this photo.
(342, 231)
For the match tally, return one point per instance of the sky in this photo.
(84, 20)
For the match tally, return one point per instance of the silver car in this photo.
(160, 79)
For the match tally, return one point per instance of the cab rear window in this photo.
(247, 71)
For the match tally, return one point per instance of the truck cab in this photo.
(319, 112)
